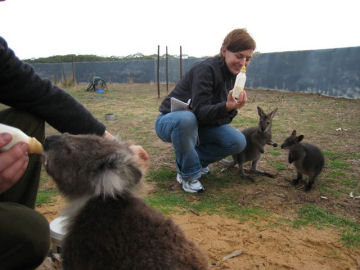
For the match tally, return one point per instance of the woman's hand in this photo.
(232, 103)
(13, 162)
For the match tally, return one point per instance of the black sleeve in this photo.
(208, 101)
(22, 88)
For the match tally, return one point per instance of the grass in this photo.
(136, 107)
(310, 214)
(45, 196)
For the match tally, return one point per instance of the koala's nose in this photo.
(49, 140)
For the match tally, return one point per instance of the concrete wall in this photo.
(333, 72)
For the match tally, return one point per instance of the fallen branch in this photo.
(232, 255)
(194, 212)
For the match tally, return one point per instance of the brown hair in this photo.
(238, 40)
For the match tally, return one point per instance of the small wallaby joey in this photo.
(307, 158)
(110, 227)
(256, 139)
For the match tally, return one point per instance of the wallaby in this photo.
(256, 139)
(109, 227)
(307, 158)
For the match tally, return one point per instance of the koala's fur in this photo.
(109, 227)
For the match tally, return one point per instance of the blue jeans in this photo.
(196, 147)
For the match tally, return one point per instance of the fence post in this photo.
(73, 70)
(158, 71)
(167, 71)
(181, 64)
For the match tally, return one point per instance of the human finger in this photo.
(18, 151)
(5, 138)
(12, 174)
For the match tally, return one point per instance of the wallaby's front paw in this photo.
(275, 145)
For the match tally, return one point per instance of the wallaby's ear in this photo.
(272, 114)
(260, 111)
(293, 133)
(300, 138)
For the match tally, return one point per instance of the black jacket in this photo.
(207, 84)
(23, 89)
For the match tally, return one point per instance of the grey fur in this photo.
(307, 158)
(109, 227)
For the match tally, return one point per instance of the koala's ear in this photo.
(134, 173)
(120, 162)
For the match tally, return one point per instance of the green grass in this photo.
(206, 203)
(45, 196)
(338, 164)
(280, 166)
(310, 214)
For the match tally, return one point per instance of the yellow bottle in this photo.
(239, 83)
(35, 146)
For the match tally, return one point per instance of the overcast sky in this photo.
(41, 28)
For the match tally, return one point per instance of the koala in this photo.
(109, 226)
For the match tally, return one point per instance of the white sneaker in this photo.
(192, 186)
(205, 170)
(179, 179)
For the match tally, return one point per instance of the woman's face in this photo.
(236, 60)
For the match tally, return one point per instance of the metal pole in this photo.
(167, 71)
(181, 64)
(158, 71)
(73, 70)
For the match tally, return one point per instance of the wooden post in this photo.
(158, 71)
(167, 71)
(181, 64)
(73, 70)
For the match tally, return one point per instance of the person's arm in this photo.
(23, 89)
(203, 86)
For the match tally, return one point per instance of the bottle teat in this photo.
(243, 69)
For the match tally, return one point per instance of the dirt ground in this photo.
(262, 246)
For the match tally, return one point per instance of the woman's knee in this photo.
(28, 237)
(181, 123)
(188, 122)
(36, 241)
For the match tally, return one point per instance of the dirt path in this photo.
(264, 245)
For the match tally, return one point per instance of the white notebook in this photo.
(178, 105)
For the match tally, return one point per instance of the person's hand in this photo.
(13, 162)
(141, 156)
(108, 135)
(232, 103)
